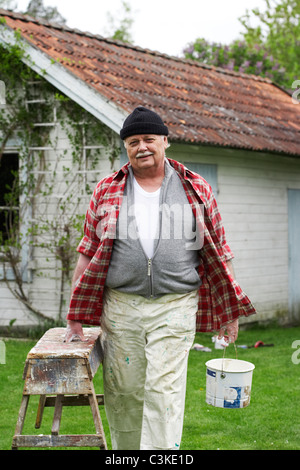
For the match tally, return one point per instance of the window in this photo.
(10, 202)
(9, 199)
(208, 171)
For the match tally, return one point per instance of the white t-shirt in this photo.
(146, 209)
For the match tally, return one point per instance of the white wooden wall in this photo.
(44, 288)
(253, 201)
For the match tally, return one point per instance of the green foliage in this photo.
(37, 9)
(33, 112)
(279, 33)
(270, 50)
(238, 56)
(8, 4)
(16, 122)
(120, 24)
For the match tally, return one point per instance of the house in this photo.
(240, 132)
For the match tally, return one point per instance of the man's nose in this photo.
(142, 146)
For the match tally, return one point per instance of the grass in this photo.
(270, 422)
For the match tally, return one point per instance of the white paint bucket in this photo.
(228, 383)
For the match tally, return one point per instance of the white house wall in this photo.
(252, 197)
(44, 289)
(253, 201)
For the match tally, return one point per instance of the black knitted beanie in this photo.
(143, 121)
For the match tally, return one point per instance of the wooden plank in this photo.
(67, 440)
(56, 367)
(74, 400)
(52, 345)
(57, 376)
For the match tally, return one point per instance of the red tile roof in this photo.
(200, 104)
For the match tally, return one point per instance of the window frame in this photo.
(23, 228)
(208, 171)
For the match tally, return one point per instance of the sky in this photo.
(167, 26)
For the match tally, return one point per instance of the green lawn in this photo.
(271, 421)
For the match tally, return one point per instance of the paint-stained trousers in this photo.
(146, 346)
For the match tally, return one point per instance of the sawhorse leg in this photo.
(40, 411)
(57, 415)
(96, 416)
(21, 419)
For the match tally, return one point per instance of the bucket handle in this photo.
(223, 375)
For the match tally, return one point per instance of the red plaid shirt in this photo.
(221, 299)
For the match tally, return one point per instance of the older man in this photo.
(154, 266)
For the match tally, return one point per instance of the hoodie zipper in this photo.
(149, 266)
(149, 260)
(150, 276)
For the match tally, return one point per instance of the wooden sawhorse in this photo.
(64, 371)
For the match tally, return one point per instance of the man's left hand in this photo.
(232, 329)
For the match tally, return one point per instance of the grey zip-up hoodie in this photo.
(173, 266)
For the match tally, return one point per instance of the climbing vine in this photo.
(44, 200)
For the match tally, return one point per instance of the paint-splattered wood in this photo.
(56, 367)
(52, 344)
(71, 440)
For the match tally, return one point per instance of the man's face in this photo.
(146, 151)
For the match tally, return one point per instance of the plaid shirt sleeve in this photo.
(90, 241)
(221, 299)
(87, 298)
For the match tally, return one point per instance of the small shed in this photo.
(240, 132)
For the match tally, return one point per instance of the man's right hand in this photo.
(74, 332)
(74, 328)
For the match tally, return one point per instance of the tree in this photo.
(238, 56)
(8, 4)
(120, 24)
(279, 32)
(37, 9)
(270, 49)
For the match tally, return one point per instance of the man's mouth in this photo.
(143, 154)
